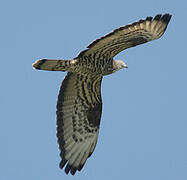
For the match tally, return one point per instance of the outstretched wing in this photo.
(128, 36)
(79, 109)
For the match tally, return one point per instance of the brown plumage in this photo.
(79, 105)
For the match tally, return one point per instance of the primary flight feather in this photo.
(79, 105)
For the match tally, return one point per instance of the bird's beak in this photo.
(125, 66)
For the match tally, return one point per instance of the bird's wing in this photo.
(128, 36)
(79, 109)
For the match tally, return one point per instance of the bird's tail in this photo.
(53, 65)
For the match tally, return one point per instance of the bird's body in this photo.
(79, 105)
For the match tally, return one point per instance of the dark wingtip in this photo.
(62, 163)
(68, 168)
(80, 167)
(149, 18)
(157, 17)
(166, 18)
(73, 170)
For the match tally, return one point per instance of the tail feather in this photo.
(52, 65)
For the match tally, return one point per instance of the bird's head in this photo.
(118, 64)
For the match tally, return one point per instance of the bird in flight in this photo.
(79, 105)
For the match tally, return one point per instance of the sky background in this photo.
(143, 132)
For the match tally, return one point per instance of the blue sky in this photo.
(144, 122)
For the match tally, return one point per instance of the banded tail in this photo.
(54, 65)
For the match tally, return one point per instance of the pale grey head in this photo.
(118, 64)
